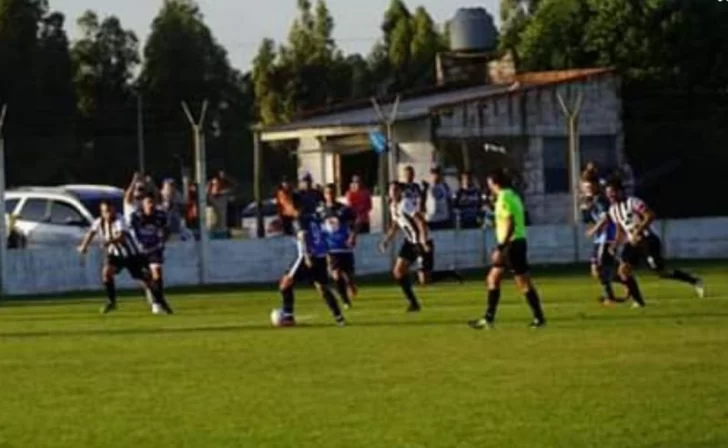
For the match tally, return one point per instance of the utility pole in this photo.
(198, 130)
(140, 131)
(572, 118)
(3, 222)
(388, 161)
(257, 181)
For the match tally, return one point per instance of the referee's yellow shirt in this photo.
(508, 205)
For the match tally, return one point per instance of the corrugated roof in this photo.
(423, 105)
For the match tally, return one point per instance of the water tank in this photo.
(473, 30)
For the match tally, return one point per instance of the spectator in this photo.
(172, 202)
(411, 189)
(229, 187)
(16, 238)
(308, 196)
(468, 203)
(286, 206)
(438, 202)
(360, 200)
(217, 207)
(192, 213)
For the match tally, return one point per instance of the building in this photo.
(515, 120)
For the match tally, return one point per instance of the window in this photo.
(10, 205)
(34, 210)
(65, 214)
(599, 149)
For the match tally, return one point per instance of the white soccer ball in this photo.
(276, 317)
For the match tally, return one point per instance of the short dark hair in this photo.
(409, 168)
(395, 183)
(500, 177)
(149, 195)
(330, 186)
(615, 183)
(107, 203)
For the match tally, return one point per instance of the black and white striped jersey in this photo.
(109, 230)
(628, 214)
(403, 214)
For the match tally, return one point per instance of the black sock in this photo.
(492, 307)
(288, 301)
(682, 276)
(110, 290)
(439, 276)
(606, 281)
(406, 284)
(332, 303)
(343, 289)
(534, 301)
(634, 290)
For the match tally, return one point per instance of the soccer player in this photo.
(634, 223)
(510, 227)
(340, 234)
(595, 209)
(412, 190)
(151, 230)
(122, 252)
(311, 266)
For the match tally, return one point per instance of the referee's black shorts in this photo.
(136, 265)
(515, 257)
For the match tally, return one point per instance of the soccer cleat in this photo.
(637, 306)
(414, 308)
(608, 303)
(700, 289)
(340, 321)
(481, 324)
(109, 307)
(287, 321)
(538, 323)
(157, 309)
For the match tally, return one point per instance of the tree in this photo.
(184, 62)
(105, 59)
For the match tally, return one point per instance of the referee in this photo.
(510, 228)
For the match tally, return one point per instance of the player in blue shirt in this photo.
(595, 210)
(310, 266)
(340, 233)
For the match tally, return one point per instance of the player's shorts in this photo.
(515, 257)
(649, 250)
(601, 255)
(342, 261)
(413, 252)
(137, 266)
(156, 258)
(316, 273)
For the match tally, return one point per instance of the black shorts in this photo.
(316, 273)
(515, 257)
(156, 257)
(601, 255)
(413, 252)
(137, 266)
(342, 261)
(648, 250)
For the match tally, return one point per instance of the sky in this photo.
(240, 25)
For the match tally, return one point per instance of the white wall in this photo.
(50, 271)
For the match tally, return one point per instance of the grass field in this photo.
(216, 374)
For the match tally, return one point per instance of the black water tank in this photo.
(473, 30)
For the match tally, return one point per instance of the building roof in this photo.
(420, 106)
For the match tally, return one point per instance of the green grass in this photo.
(215, 374)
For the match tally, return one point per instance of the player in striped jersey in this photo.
(634, 223)
(310, 266)
(122, 252)
(417, 244)
(150, 229)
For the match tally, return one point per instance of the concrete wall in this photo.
(262, 261)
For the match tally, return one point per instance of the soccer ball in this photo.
(276, 317)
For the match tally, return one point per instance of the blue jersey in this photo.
(338, 222)
(469, 202)
(598, 210)
(314, 240)
(150, 231)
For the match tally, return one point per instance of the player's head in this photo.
(589, 184)
(466, 179)
(330, 193)
(148, 204)
(615, 190)
(306, 182)
(395, 191)
(498, 180)
(409, 174)
(106, 209)
(436, 174)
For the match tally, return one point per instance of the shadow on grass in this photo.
(580, 317)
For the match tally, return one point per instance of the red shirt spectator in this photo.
(360, 200)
